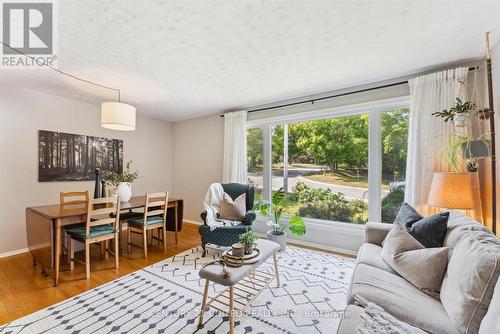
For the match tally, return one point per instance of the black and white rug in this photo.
(165, 298)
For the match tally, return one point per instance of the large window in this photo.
(323, 165)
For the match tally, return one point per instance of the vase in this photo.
(460, 120)
(124, 191)
(280, 239)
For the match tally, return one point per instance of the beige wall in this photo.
(198, 153)
(23, 113)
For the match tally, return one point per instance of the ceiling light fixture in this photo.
(114, 115)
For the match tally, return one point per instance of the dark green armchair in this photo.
(228, 235)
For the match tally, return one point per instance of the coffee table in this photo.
(245, 282)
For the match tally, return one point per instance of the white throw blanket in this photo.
(377, 321)
(212, 203)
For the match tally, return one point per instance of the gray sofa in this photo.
(470, 293)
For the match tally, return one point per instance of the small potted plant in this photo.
(458, 114)
(274, 209)
(122, 182)
(248, 238)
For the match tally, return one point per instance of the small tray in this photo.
(229, 253)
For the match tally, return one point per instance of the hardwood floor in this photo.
(23, 289)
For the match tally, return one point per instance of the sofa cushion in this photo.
(460, 225)
(470, 280)
(491, 321)
(401, 299)
(350, 320)
(422, 267)
(407, 216)
(370, 254)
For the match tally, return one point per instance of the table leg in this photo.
(276, 272)
(203, 303)
(231, 311)
(176, 219)
(57, 250)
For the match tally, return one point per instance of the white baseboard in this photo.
(313, 245)
(14, 252)
(189, 221)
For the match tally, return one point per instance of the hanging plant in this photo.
(460, 153)
(458, 113)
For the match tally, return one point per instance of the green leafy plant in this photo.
(248, 238)
(460, 108)
(458, 151)
(274, 210)
(128, 175)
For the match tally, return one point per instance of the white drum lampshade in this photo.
(451, 191)
(118, 116)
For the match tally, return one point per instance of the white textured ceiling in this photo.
(176, 60)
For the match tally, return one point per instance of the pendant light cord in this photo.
(64, 73)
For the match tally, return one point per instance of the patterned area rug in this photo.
(166, 297)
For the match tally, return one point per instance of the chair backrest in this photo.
(100, 211)
(236, 189)
(74, 198)
(156, 204)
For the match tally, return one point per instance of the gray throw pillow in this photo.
(233, 210)
(422, 267)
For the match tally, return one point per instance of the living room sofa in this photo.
(475, 246)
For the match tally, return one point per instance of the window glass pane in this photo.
(255, 159)
(327, 164)
(394, 149)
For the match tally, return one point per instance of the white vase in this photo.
(460, 120)
(280, 239)
(124, 191)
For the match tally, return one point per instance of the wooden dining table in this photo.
(44, 227)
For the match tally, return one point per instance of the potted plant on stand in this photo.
(274, 210)
(123, 182)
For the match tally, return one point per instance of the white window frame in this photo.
(374, 110)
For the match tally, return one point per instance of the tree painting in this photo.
(71, 157)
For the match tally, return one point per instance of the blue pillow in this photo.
(429, 231)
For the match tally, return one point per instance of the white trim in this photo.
(375, 166)
(330, 112)
(299, 243)
(324, 225)
(14, 252)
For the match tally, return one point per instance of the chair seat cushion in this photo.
(95, 231)
(401, 299)
(149, 221)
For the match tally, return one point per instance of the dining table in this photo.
(45, 223)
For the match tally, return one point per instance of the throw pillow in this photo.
(422, 267)
(429, 231)
(233, 210)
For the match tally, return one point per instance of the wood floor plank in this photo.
(23, 289)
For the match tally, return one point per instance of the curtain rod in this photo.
(312, 101)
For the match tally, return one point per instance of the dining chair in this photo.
(103, 215)
(154, 218)
(72, 200)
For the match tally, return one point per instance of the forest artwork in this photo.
(71, 157)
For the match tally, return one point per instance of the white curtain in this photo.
(428, 135)
(235, 147)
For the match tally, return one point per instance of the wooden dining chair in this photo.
(103, 215)
(67, 201)
(154, 218)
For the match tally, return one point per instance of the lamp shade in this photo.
(118, 116)
(451, 191)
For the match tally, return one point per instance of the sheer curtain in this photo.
(235, 147)
(427, 134)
